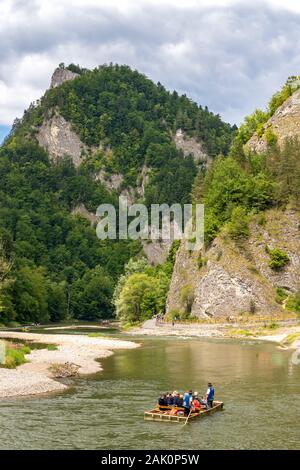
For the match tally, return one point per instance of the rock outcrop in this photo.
(190, 146)
(82, 211)
(61, 75)
(232, 279)
(58, 138)
(284, 123)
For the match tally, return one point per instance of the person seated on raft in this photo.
(162, 401)
(203, 402)
(176, 399)
(187, 399)
(195, 404)
(170, 399)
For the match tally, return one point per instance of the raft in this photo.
(158, 415)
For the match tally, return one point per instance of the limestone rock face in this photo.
(58, 138)
(284, 123)
(190, 146)
(61, 75)
(82, 211)
(112, 182)
(157, 251)
(238, 279)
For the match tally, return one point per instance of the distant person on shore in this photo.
(187, 399)
(210, 395)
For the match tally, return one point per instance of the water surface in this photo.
(257, 382)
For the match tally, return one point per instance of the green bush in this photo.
(281, 295)
(187, 298)
(271, 137)
(201, 261)
(293, 302)
(52, 347)
(238, 226)
(279, 258)
(15, 357)
(175, 314)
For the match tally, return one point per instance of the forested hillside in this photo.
(251, 261)
(52, 265)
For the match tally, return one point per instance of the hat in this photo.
(196, 394)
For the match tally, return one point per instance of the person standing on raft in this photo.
(210, 395)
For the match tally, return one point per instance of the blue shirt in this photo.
(186, 400)
(210, 393)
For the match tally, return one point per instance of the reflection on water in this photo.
(257, 382)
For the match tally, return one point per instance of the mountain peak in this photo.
(61, 75)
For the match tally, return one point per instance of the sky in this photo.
(230, 55)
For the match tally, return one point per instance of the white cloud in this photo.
(224, 53)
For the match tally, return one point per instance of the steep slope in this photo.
(126, 123)
(251, 263)
(284, 123)
(93, 135)
(237, 279)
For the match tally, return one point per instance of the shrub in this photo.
(293, 302)
(52, 347)
(252, 306)
(238, 226)
(14, 358)
(201, 261)
(175, 314)
(187, 297)
(279, 258)
(281, 295)
(271, 137)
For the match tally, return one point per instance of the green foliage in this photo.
(142, 291)
(52, 347)
(281, 295)
(279, 258)
(15, 356)
(137, 299)
(293, 302)
(52, 249)
(201, 261)
(271, 137)
(186, 298)
(238, 225)
(92, 294)
(279, 98)
(229, 191)
(121, 108)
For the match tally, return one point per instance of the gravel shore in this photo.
(34, 377)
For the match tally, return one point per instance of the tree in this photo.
(30, 295)
(137, 300)
(91, 296)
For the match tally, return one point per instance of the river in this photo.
(257, 382)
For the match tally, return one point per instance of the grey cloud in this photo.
(231, 59)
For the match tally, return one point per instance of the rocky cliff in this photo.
(284, 123)
(231, 279)
(61, 75)
(57, 137)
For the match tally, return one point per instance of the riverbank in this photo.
(35, 377)
(284, 333)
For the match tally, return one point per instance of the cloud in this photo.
(226, 54)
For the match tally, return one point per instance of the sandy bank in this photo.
(34, 377)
